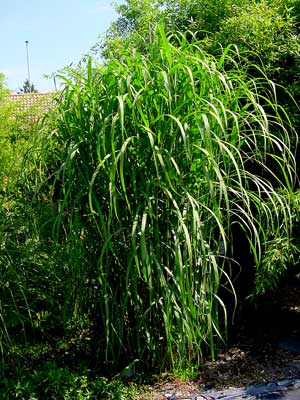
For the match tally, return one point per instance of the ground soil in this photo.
(264, 347)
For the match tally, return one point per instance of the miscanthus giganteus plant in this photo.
(156, 156)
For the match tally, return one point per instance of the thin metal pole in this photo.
(28, 72)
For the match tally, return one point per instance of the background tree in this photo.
(28, 87)
(267, 29)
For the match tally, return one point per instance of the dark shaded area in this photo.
(273, 318)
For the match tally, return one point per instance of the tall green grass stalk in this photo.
(156, 156)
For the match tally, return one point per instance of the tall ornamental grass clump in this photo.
(153, 158)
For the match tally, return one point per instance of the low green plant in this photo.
(61, 383)
(156, 155)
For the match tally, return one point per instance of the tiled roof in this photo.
(28, 101)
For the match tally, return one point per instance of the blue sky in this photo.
(58, 31)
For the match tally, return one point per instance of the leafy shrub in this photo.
(30, 274)
(31, 266)
(19, 132)
(60, 383)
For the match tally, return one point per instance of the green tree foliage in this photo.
(138, 17)
(268, 30)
